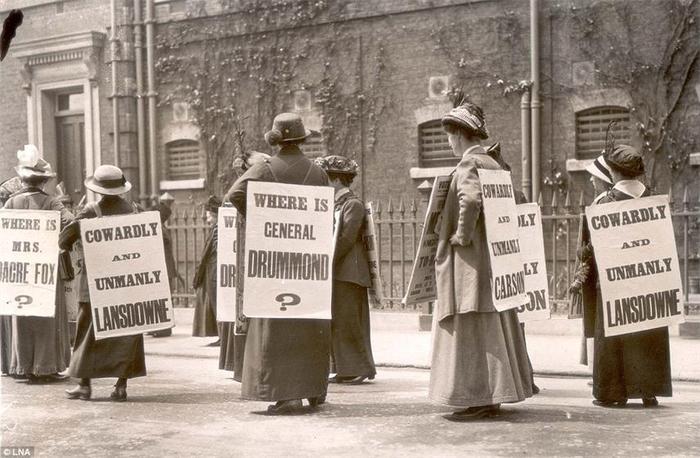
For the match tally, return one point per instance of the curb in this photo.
(540, 373)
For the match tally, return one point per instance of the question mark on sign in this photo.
(22, 300)
(282, 299)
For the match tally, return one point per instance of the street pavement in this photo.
(187, 407)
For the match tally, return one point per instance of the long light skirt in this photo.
(479, 359)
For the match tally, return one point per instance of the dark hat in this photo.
(337, 164)
(626, 160)
(213, 204)
(108, 180)
(31, 165)
(468, 116)
(287, 127)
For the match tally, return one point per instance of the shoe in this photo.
(474, 413)
(80, 392)
(334, 379)
(284, 407)
(317, 401)
(650, 402)
(535, 389)
(215, 344)
(613, 404)
(356, 380)
(119, 394)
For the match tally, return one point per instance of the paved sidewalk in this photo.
(394, 344)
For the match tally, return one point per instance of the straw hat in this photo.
(108, 180)
(600, 169)
(31, 165)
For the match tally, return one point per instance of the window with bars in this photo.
(185, 160)
(433, 148)
(591, 126)
(313, 146)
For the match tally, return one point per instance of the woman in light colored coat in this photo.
(479, 356)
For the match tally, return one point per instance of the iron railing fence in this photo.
(398, 227)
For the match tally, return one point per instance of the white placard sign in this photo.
(375, 272)
(500, 217)
(422, 286)
(534, 264)
(288, 251)
(28, 262)
(226, 264)
(637, 261)
(127, 276)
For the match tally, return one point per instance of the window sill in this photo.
(421, 173)
(169, 185)
(577, 165)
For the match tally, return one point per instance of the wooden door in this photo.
(70, 154)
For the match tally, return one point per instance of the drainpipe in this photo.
(526, 178)
(535, 104)
(150, 50)
(115, 90)
(140, 107)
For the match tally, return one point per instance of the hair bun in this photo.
(273, 137)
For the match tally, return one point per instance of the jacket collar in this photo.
(476, 149)
(632, 188)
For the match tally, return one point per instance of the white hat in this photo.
(600, 169)
(108, 180)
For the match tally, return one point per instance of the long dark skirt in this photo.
(112, 357)
(204, 320)
(286, 359)
(630, 366)
(350, 331)
(41, 345)
(231, 351)
(5, 343)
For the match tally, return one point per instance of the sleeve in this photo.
(470, 203)
(238, 192)
(66, 216)
(71, 233)
(353, 218)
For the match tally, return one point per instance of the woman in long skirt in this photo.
(479, 356)
(286, 360)
(120, 357)
(204, 322)
(40, 346)
(351, 346)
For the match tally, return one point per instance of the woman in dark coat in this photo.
(204, 322)
(40, 345)
(286, 360)
(630, 366)
(479, 357)
(351, 346)
(120, 357)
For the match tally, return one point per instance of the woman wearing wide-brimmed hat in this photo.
(630, 366)
(204, 321)
(601, 179)
(120, 357)
(479, 356)
(286, 360)
(351, 347)
(40, 346)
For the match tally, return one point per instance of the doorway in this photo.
(70, 142)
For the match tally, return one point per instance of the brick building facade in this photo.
(372, 77)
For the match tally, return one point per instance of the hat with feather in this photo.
(468, 116)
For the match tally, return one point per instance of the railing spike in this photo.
(686, 202)
(402, 207)
(580, 200)
(378, 208)
(540, 200)
(555, 200)
(390, 208)
(670, 196)
(567, 200)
